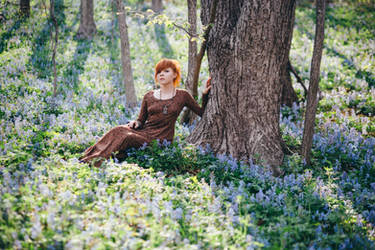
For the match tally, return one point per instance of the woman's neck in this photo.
(167, 89)
(165, 92)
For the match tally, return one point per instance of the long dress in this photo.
(157, 119)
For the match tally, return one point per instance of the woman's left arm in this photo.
(193, 105)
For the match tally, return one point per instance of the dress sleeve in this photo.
(193, 105)
(143, 114)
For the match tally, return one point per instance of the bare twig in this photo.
(191, 35)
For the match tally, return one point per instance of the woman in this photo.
(157, 118)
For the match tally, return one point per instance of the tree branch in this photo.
(299, 80)
(184, 29)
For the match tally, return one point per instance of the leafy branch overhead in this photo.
(177, 24)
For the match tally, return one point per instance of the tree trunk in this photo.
(161, 37)
(157, 6)
(25, 8)
(131, 98)
(202, 50)
(87, 27)
(54, 42)
(312, 99)
(288, 95)
(188, 116)
(199, 57)
(246, 52)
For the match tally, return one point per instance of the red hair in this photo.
(169, 63)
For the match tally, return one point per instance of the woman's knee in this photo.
(121, 129)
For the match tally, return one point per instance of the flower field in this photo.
(175, 195)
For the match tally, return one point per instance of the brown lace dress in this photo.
(157, 118)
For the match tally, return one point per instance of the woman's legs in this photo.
(118, 139)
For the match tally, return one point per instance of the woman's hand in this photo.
(208, 87)
(133, 124)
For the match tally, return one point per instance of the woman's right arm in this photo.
(142, 117)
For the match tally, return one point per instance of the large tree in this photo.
(247, 49)
(87, 27)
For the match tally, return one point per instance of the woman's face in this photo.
(166, 76)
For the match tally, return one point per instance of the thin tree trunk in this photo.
(157, 6)
(55, 41)
(113, 22)
(188, 115)
(114, 50)
(288, 95)
(246, 51)
(131, 98)
(161, 37)
(212, 12)
(87, 27)
(25, 8)
(312, 99)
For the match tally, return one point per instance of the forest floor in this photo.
(177, 195)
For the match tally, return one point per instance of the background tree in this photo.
(288, 95)
(157, 6)
(87, 27)
(131, 98)
(161, 37)
(192, 20)
(25, 7)
(312, 99)
(187, 115)
(246, 50)
(54, 39)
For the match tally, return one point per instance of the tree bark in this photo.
(247, 49)
(87, 27)
(25, 8)
(312, 99)
(188, 115)
(288, 95)
(131, 98)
